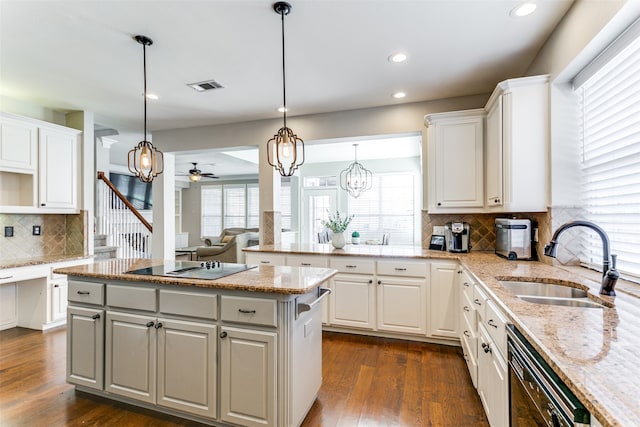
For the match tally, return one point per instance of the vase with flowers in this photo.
(338, 224)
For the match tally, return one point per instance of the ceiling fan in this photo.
(196, 174)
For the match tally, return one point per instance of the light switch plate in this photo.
(36, 230)
(8, 231)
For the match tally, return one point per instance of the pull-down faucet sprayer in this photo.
(609, 275)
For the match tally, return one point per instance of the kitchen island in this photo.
(594, 351)
(242, 349)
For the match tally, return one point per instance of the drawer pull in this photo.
(305, 264)
(477, 301)
(301, 308)
(401, 269)
(95, 316)
(265, 262)
(84, 292)
(379, 282)
(492, 323)
(245, 311)
(6, 277)
(465, 284)
(467, 334)
(350, 266)
(466, 308)
(149, 324)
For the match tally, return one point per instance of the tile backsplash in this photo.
(60, 235)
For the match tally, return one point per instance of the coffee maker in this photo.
(457, 235)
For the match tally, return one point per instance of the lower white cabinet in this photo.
(402, 305)
(353, 301)
(493, 386)
(59, 290)
(247, 376)
(443, 300)
(85, 347)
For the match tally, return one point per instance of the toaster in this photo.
(513, 238)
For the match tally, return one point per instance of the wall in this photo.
(22, 108)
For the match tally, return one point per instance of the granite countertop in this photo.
(267, 279)
(596, 351)
(49, 259)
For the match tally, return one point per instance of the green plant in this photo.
(355, 234)
(337, 223)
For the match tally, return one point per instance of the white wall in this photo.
(22, 108)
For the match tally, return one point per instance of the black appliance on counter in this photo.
(209, 270)
(537, 396)
(457, 236)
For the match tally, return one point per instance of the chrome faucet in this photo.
(609, 275)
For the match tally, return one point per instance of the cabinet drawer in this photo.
(479, 301)
(402, 268)
(466, 284)
(495, 323)
(261, 258)
(468, 334)
(131, 297)
(469, 312)
(472, 361)
(306, 261)
(350, 265)
(194, 304)
(86, 292)
(254, 311)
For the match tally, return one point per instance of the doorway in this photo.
(317, 204)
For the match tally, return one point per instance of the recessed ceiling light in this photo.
(283, 110)
(523, 9)
(399, 95)
(152, 96)
(398, 57)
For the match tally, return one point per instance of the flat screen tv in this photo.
(134, 190)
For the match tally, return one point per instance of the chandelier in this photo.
(356, 178)
(285, 151)
(145, 161)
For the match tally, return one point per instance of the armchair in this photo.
(229, 248)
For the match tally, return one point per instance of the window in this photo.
(235, 206)
(211, 210)
(285, 205)
(610, 157)
(389, 207)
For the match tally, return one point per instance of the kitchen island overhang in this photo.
(245, 349)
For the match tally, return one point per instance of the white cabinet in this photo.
(443, 300)
(517, 144)
(455, 161)
(59, 291)
(402, 305)
(8, 306)
(247, 376)
(18, 146)
(85, 347)
(353, 301)
(58, 169)
(493, 386)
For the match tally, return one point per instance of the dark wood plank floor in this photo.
(366, 382)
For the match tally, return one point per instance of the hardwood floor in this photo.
(366, 382)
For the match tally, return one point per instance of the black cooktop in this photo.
(209, 270)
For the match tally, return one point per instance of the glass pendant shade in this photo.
(356, 178)
(144, 160)
(285, 151)
(195, 178)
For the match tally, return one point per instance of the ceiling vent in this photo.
(206, 85)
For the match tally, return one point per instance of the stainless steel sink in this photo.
(566, 302)
(543, 289)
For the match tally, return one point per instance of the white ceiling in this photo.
(80, 55)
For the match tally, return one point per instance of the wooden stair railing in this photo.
(119, 195)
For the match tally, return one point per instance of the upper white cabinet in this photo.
(516, 145)
(455, 161)
(39, 168)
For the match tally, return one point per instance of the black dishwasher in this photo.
(537, 396)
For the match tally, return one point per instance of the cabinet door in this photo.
(443, 300)
(59, 293)
(187, 367)
(492, 381)
(459, 163)
(353, 301)
(493, 149)
(248, 377)
(18, 142)
(85, 347)
(131, 356)
(58, 169)
(402, 305)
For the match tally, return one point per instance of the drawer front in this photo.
(469, 312)
(306, 261)
(131, 297)
(403, 268)
(479, 301)
(254, 311)
(260, 258)
(466, 284)
(350, 265)
(468, 334)
(495, 323)
(472, 361)
(194, 304)
(86, 292)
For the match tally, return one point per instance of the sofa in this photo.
(228, 246)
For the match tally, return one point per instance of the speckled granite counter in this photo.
(25, 262)
(595, 351)
(269, 279)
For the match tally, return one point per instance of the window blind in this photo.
(235, 206)
(610, 189)
(253, 206)
(211, 210)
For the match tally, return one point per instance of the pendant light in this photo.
(356, 178)
(285, 151)
(145, 161)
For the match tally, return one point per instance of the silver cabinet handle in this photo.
(245, 311)
(492, 323)
(302, 307)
